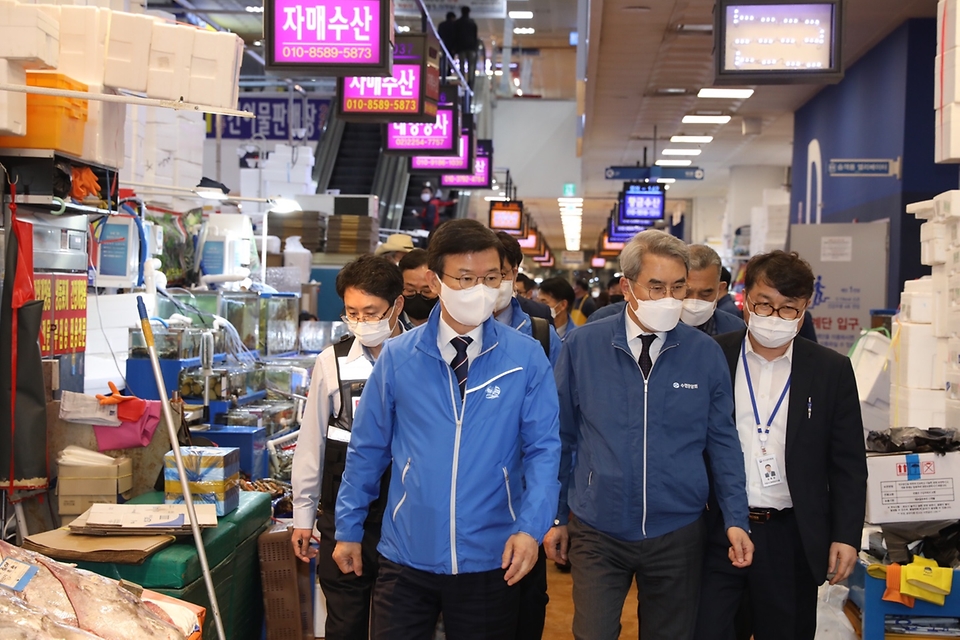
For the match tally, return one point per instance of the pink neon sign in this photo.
(413, 136)
(343, 32)
(397, 94)
(444, 163)
(479, 178)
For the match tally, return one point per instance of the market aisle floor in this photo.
(560, 610)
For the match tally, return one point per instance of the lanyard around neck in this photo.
(761, 431)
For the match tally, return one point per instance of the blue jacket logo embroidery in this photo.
(685, 385)
(493, 393)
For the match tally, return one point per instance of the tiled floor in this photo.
(560, 610)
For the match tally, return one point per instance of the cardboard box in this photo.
(74, 505)
(77, 480)
(913, 487)
(213, 473)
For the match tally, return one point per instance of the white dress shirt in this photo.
(323, 400)
(769, 378)
(448, 351)
(636, 345)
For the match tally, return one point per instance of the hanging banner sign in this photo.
(460, 163)
(437, 138)
(329, 37)
(506, 216)
(410, 94)
(482, 175)
(532, 245)
(273, 118)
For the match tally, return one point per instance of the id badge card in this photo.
(769, 470)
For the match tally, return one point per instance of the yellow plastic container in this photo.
(52, 122)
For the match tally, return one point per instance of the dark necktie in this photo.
(459, 362)
(646, 362)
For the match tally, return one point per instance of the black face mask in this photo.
(617, 297)
(418, 307)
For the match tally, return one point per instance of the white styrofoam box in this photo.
(941, 301)
(186, 173)
(159, 115)
(953, 289)
(953, 354)
(170, 52)
(948, 203)
(13, 104)
(250, 186)
(83, 33)
(912, 487)
(940, 363)
(925, 210)
(933, 243)
(215, 69)
(952, 386)
(874, 418)
(299, 174)
(916, 307)
(952, 415)
(947, 23)
(921, 408)
(29, 36)
(919, 285)
(912, 357)
(869, 359)
(286, 153)
(128, 52)
(103, 134)
(946, 143)
(946, 92)
(122, 5)
(284, 189)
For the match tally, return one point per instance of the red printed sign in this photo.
(63, 325)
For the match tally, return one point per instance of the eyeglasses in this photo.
(491, 280)
(659, 291)
(364, 319)
(425, 292)
(765, 310)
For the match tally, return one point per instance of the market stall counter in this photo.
(232, 553)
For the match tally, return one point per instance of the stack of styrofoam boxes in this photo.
(135, 130)
(286, 173)
(29, 39)
(172, 153)
(947, 207)
(188, 163)
(917, 362)
(168, 77)
(946, 100)
(769, 223)
(128, 52)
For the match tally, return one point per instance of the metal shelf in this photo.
(59, 206)
(49, 154)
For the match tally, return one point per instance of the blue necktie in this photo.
(459, 362)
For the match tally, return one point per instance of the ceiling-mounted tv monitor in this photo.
(776, 42)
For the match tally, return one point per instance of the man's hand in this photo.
(842, 559)
(519, 555)
(301, 544)
(556, 543)
(348, 557)
(741, 547)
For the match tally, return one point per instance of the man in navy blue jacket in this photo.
(704, 292)
(633, 473)
(464, 410)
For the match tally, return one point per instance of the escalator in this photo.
(356, 161)
(412, 204)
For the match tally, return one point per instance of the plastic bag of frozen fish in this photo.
(52, 600)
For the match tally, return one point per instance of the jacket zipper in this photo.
(646, 387)
(458, 417)
(506, 480)
(403, 479)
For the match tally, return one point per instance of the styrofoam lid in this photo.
(924, 210)
(922, 285)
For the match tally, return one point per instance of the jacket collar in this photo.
(519, 317)
(427, 341)
(672, 338)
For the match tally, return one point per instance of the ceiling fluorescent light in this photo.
(666, 180)
(681, 152)
(521, 15)
(674, 163)
(524, 31)
(698, 119)
(695, 28)
(496, 198)
(729, 94)
(570, 200)
(692, 139)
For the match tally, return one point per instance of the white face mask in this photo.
(504, 295)
(372, 334)
(697, 312)
(553, 312)
(773, 331)
(470, 307)
(425, 197)
(657, 315)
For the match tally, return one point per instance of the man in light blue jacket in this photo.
(643, 398)
(465, 410)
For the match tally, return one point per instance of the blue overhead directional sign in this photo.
(652, 173)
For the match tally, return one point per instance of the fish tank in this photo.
(315, 336)
(277, 416)
(173, 343)
(242, 310)
(199, 306)
(279, 320)
(225, 383)
(287, 375)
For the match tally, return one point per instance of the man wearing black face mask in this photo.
(613, 287)
(419, 292)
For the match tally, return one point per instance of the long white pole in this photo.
(184, 482)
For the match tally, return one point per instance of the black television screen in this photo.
(775, 42)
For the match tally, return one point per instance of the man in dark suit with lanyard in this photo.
(798, 416)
